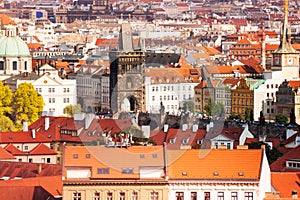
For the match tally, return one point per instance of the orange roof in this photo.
(285, 183)
(215, 164)
(103, 157)
(34, 45)
(6, 20)
(294, 84)
(244, 41)
(171, 75)
(5, 155)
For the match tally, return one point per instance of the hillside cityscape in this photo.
(149, 99)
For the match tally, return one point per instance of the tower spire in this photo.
(285, 33)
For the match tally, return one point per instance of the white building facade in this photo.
(170, 90)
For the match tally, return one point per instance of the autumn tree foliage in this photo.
(5, 100)
(27, 104)
(6, 123)
(71, 110)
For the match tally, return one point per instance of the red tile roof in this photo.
(4, 155)
(42, 149)
(14, 150)
(11, 170)
(103, 126)
(66, 125)
(22, 137)
(25, 188)
(231, 81)
(280, 164)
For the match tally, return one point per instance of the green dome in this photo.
(13, 46)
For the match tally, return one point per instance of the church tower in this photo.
(127, 74)
(285, 57)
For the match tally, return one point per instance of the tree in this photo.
(71, 110)
(6, 124)
(281, 119)
(235, 116)
(248, 114)
(272, 154)
(27, 104)
(188, 106)
(5, 100)
(214, 109)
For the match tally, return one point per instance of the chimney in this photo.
(40, 168)
(166, 127)
(194, 128)
(25, 126)
(47, 123)
(33, 133)
(88, 120)
(184, 127)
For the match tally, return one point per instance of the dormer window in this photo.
(293, 163)
(185, 141)
(172, 141)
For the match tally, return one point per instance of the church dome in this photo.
(13, 45)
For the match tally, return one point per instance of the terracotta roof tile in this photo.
(24, 188)
(280, 164)
(13, 150)
(285, 182)
(210, 164)
(42, 149)
(5, 155)
(12, 170)
(103, 157)
(6, 20)
(21, 137)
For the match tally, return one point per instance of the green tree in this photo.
(5, 100)
(27, 104)
(213, 108)
(234, 116)
(247, 114)
(188, 106)
(281, 119)
(6, 124)
(71, 110)
(272, 154)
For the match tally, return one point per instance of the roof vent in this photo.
(184, 173)
(10, 137)
(241, 173)
(216, 173)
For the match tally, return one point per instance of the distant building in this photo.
(54, 90)
(92, 88)
(242, 98)
(127, 74)
(15, 57)
(170, 88)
